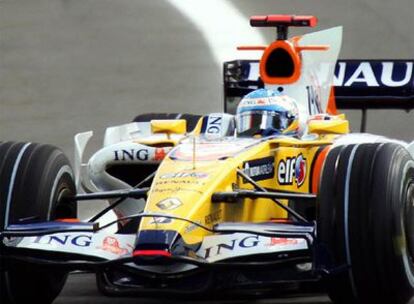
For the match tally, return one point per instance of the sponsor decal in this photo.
(259, 169)
(111, 244)
(160, 153)
(103, 245)
(374, 74)
(131, 154)
(81, 240)
(261, 102)
(274, 241)
(170, 182)
(292, 169)
(218, 249)
(300, 170)
(169, 204)
(213, 125)
(161, 220)
(213, 217)
(253, 102)
(191, 227)
(174, 189)
(184, 175)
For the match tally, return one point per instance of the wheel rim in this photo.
(409, 221)
(63, 208)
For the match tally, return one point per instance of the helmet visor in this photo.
(250, 123)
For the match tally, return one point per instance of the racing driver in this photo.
(267, 112)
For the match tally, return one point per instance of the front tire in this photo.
(366, 222)
(35, 179)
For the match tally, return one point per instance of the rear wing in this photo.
(359, 84)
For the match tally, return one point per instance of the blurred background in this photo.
(68, 66)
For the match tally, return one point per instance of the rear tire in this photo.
(34, 180)
(366, 221)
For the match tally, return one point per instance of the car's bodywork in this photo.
(221, 211)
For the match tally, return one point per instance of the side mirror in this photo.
(169, 126)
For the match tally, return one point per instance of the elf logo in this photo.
(292, 169)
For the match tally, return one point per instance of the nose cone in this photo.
(176, 214)
(179, 205)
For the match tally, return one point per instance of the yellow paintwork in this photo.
(169, 126)
(328, 126)
(192, 182)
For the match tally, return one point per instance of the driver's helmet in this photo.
(267, 112)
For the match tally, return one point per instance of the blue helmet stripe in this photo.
(262, 93)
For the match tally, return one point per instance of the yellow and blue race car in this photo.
(272, 195)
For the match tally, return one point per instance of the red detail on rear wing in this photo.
(312, 48)
(297, 48)
(285, 20)
(251, 48)
(153, 253)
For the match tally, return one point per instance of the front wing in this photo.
(230, 242)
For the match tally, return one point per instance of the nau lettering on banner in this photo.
(374, 74)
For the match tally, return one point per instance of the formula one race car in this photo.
(271, 199)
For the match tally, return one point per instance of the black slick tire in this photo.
(34, 180)
(366, 222)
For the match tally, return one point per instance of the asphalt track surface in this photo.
(68, 66)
